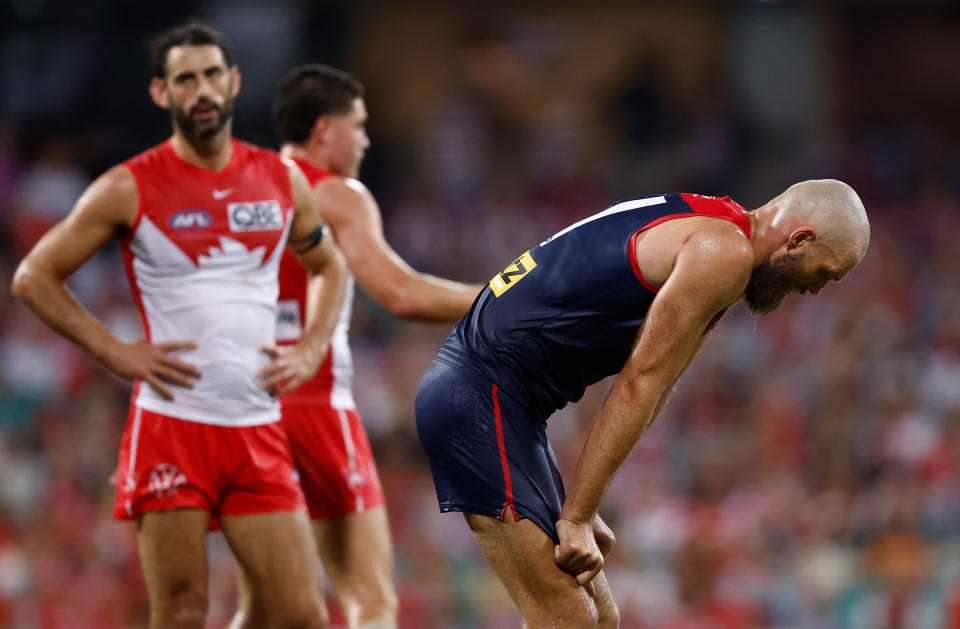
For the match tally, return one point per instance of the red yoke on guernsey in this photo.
(330, 446)
(202, 259)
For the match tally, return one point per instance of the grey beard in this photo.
(769, 284)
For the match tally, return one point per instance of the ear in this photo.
(321, 129)
(801, 238)
(235, 80)
(158, 93)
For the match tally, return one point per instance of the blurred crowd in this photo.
(806, 473)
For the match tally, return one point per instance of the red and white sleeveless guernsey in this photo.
(327, 439)
(333, 384)
(202, 260)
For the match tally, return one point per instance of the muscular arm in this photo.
(352, 213)
(711, 273)
(108, 205)
(668, 391)
(327, 271)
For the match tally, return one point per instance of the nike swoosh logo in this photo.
(222, 194)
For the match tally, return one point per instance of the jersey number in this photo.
(502, 281)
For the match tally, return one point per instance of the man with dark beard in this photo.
(633, 291)
(203, 220)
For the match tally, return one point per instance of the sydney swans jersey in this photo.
(202, 260)
(333, 384)
(565, 314)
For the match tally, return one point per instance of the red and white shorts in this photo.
(332, 455)
(169, 463)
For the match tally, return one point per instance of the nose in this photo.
(815, 289)
(203, 90)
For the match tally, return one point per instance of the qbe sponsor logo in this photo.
(192, 219)
(255, 216)
(166, 479)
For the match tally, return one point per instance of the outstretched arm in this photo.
(711, 273)
(353, 214)
(313, 244)
(109, 203)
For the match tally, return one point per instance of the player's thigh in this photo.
(522, 555)
(279, 558)
(173, 556)
(356, 550)
(608, 615)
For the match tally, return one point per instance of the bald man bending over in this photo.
(633, 291)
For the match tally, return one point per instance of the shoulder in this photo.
(118, 182)
(718, 253)
(299, 184)
(292, 168)
(113, 197)
(343, 188)
(719, 241)
(341, 195)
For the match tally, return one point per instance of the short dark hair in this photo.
(192, 33)
(307, 92)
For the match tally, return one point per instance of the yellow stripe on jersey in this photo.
(502, 281)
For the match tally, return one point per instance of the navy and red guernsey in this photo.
(565, 314)
(562, 316)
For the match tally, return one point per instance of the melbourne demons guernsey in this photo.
(566, 313)
(202, 260)
(333, 384)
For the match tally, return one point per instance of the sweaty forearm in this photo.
(56, 306)
(625, 415)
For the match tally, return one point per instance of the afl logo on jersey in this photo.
(190, 220)
(255, 216)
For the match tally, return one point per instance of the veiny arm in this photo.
(711, 273)
(110, 203)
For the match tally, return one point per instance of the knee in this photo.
(373, 603)
(304, 623)
(183, 607)
(308, 615)
(248, 618)
(315, 622)
(580, 616)
(608, 617)
(584, 618)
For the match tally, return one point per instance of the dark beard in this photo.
(770, 283)
(184, 121)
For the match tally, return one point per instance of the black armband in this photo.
(311, 240)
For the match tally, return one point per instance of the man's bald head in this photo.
(834, 210)
(815, 232)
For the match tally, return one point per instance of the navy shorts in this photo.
(487, 453)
